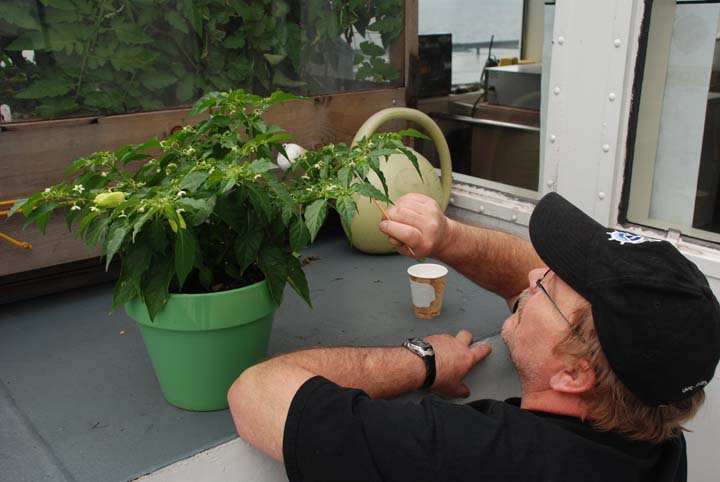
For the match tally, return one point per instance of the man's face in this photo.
(534, 330)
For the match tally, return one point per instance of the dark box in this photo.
(435, 53)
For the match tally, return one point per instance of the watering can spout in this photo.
(401, 178)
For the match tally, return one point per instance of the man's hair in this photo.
(611, 405)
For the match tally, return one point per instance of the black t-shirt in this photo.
(340, 434)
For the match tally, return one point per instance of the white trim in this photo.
(500, 201)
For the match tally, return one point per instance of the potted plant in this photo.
(208, 232)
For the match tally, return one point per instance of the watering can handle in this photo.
(424, 121)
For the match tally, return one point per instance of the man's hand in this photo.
(454, 357)
(416, 221)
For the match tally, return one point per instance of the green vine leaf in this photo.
(315, 215)
(185, 251)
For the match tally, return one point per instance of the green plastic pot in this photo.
(200, 343)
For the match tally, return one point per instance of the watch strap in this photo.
(429, 371)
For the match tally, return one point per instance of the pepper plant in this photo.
(206, 209)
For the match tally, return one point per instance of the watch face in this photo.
(420, 343)
(420, 347)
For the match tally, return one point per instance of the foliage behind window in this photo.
(62, 57)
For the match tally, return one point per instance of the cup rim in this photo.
(427, 271)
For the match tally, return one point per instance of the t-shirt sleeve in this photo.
(340, 434)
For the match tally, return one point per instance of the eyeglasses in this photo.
(539, 285)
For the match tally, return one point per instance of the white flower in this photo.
(47, 189)
(75, 208)
(79, 188)
(141, 209)
(179, 210)
(180, 194)
(94, 209)
(103, 174)
(122, 215)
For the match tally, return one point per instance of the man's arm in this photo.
(260, 398)
(495, 260)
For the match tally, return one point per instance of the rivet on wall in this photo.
(612, 96)
(556, 90)
(550, 182)
(552, 138)
(561, 40)
(617, 42)
(606, 147)
(601, 195)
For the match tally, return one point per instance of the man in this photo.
(614, 337)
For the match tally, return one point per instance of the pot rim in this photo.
(217, 293)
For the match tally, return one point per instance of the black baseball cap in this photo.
(656, 317)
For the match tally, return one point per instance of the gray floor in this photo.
(79, 401)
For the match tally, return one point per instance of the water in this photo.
(472, 21)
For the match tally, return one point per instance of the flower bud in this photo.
(109, 199)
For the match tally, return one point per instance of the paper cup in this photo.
(427, 285)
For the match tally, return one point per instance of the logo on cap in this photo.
(623, 238)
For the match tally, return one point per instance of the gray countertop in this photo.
(79, 400)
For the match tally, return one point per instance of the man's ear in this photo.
(575, 378)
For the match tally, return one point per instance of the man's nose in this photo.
(533, 276)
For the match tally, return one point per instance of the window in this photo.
(493, 119)
(675, 176)
(62, 58)
(473, 24)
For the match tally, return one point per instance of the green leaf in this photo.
(185, 249)
(262, 165)
(155, 290)
(185, 88)
(18, 204)
(193, 180)
(297, 279)
(115, 238)
(235, 41)
(369, 48)
(247, 246)
(413, 133)
(30, 40)
(176, 20)
(42, 88)
(347, 208)
(96, 231)
(272, 262)
(156, 236)
(196, 210)
(274, 59)
(299, 235)
(141, 222)
(345, 175)
(205, 102)
(125, 289)
(158, 79)
(413, 158)
(136, 262)
(261, 202)
(24, 16)
(315, 215)
(368, 190)
(41, 215)
(28, 205)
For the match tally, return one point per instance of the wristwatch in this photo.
(425, 351)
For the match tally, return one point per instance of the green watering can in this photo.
(401, 178)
